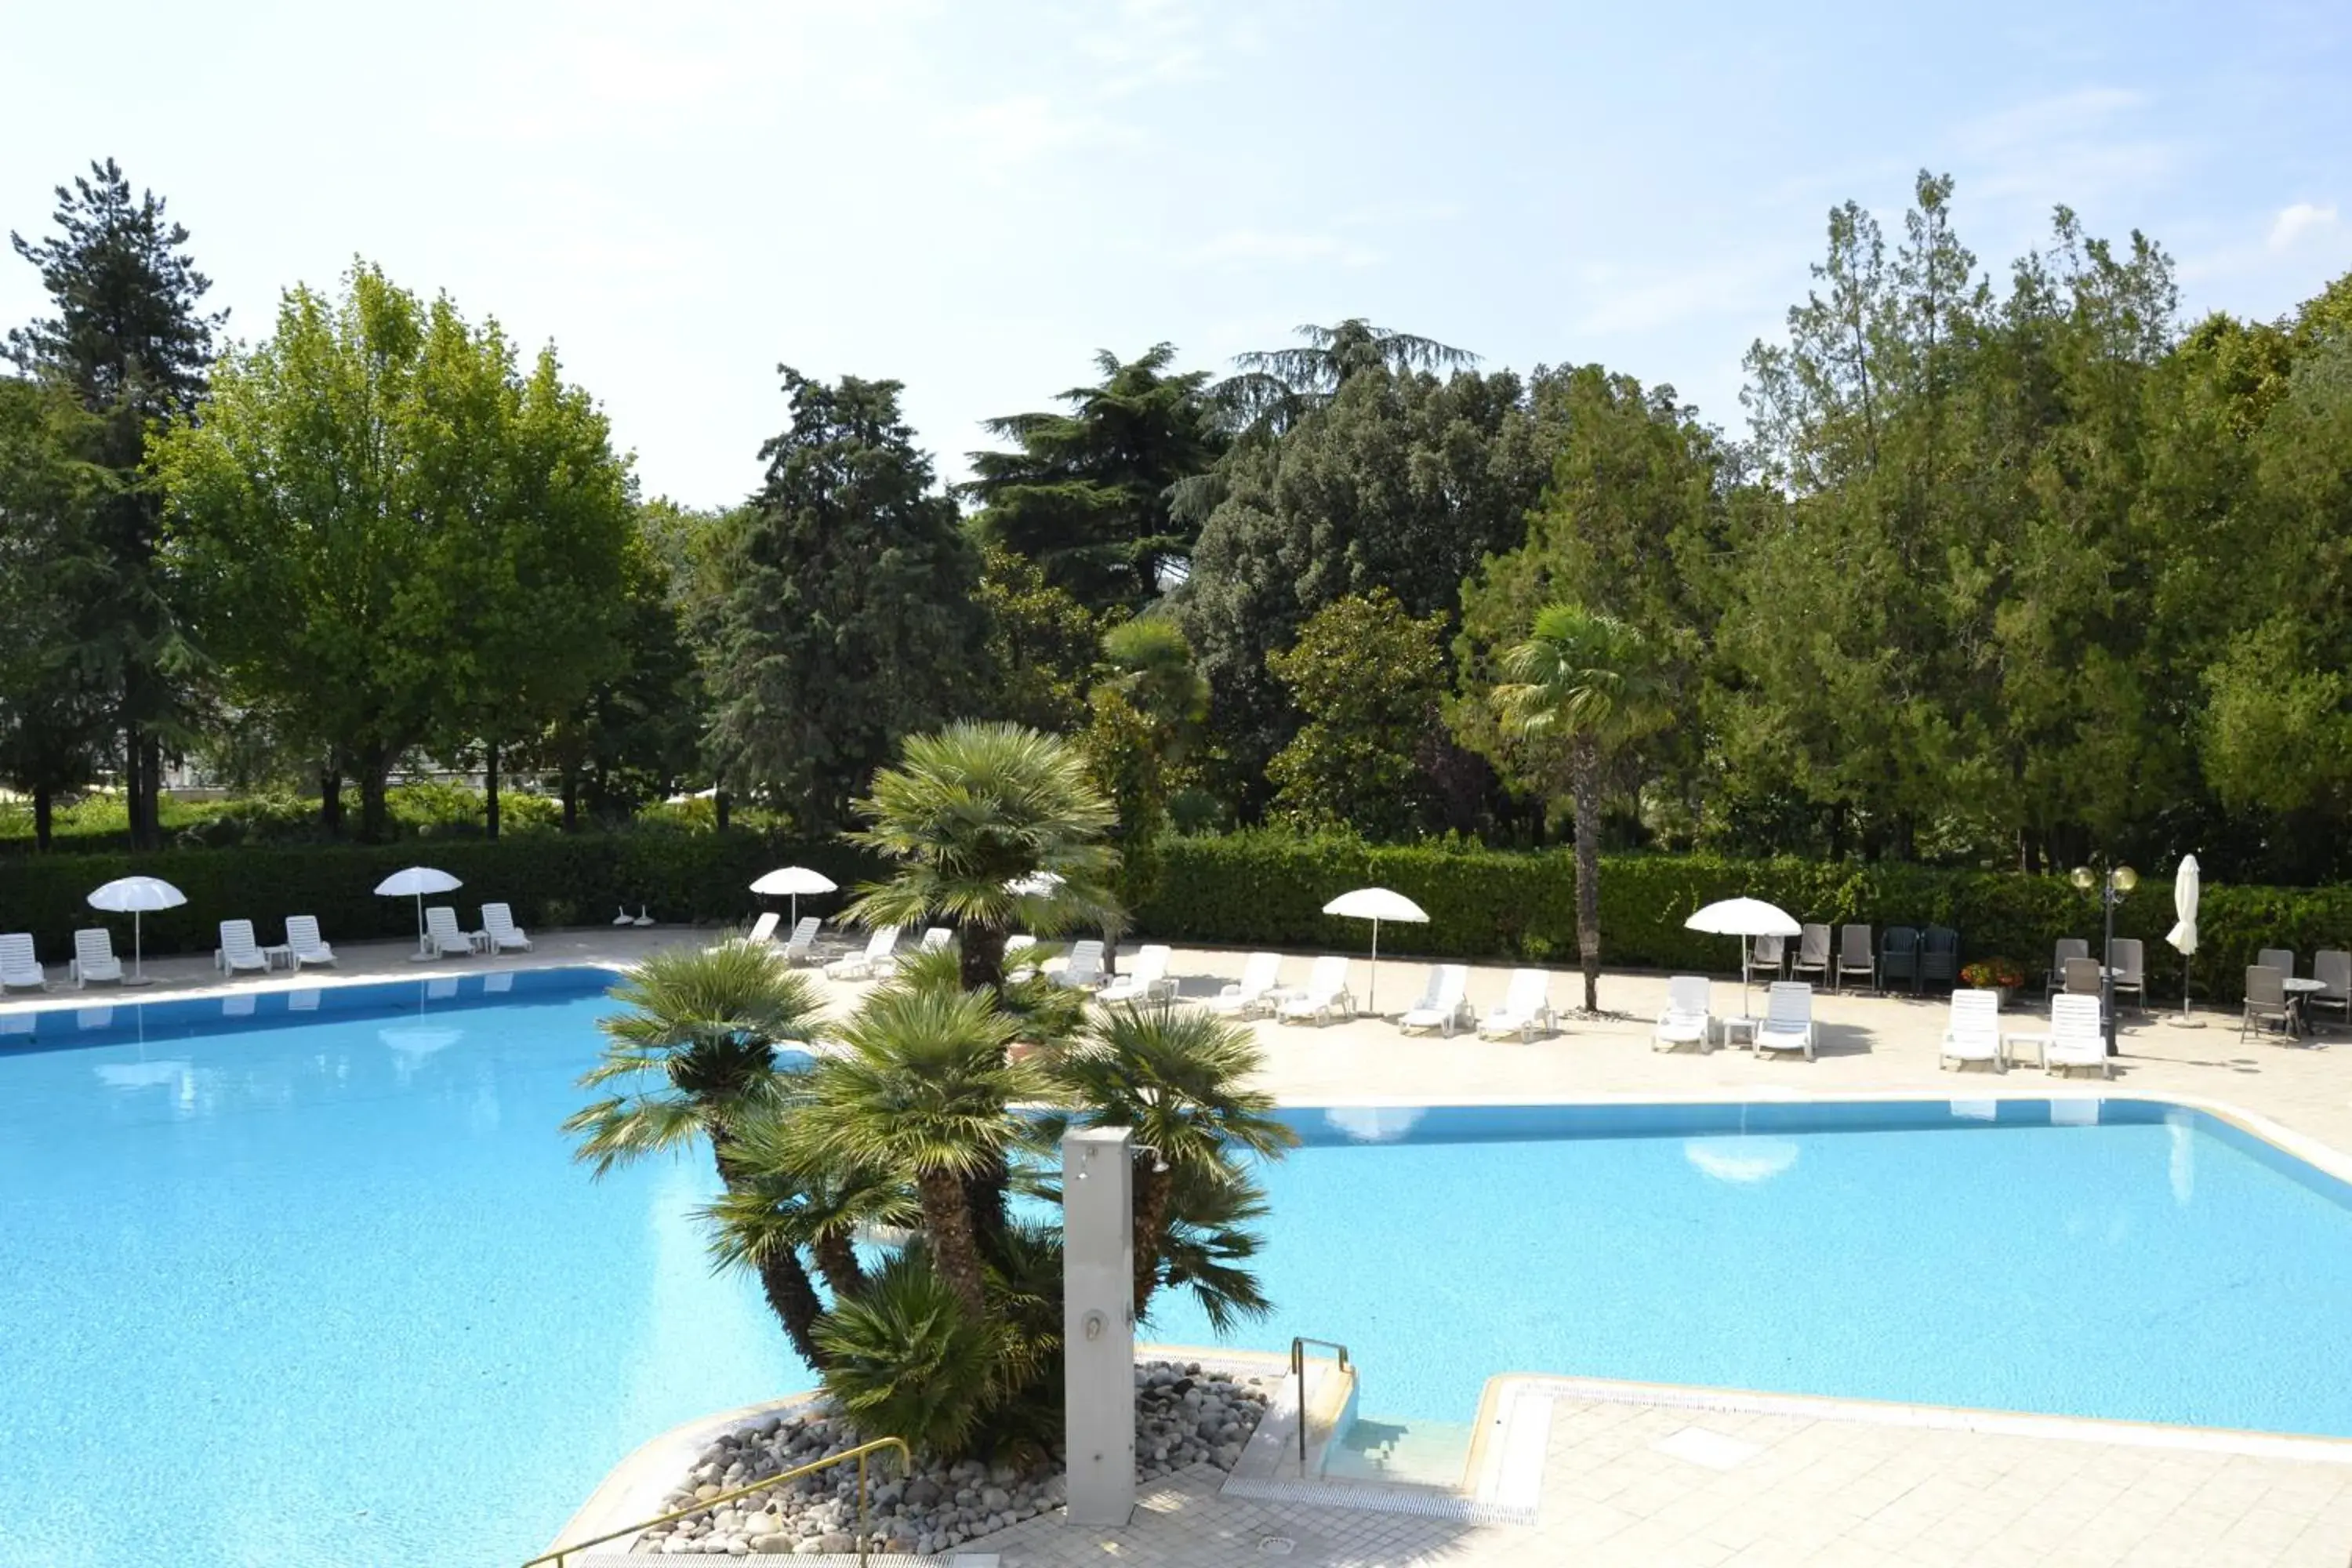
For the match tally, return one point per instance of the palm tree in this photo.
(924, 1088)
(786, 1198)
(695, 1049)
(1271, 388)
(1174, 1076)
(992, 827)
(1590, 683)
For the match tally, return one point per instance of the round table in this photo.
(2298, 991)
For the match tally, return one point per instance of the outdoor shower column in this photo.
(1099, 1322)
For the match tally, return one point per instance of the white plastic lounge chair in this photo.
(238, 953)
(866, 965)
(442, 936)
(1254, 992)
(1146, 979)
(1444, 1004)
(1787, 1023)
(1018, 952)
(1688, 1014)
(1083, 969)
(937, 938)
(2076, 1040)
(1972, 1034)
(497, 924)
(762, 930)
(93, 962)
(802, 944)
(1326, 993)
(17, 965)
(1525, 1008)
(303, 941)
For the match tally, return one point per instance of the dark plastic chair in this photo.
(1899, 957)
(1939, 956)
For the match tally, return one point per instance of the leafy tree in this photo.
(993, 827)
(1145, 716)
(1085, 494)
(1583, 685)
(692, 1055)
(1272, 389)
(1042, 644)
(131, 344)
(849, 617)
(1368, 677)
(55, 698)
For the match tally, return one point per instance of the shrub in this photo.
(906, 1360)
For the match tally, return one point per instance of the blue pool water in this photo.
(321, 1282)
(2159, 1266)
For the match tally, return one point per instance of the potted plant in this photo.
(2001, 974)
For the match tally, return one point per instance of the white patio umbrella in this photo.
(414, 883)
(792, 881)
(1376, 904)
(2183, 934)
(134, 896)
(1744, 918)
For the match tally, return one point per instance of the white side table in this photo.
(1738, 1023)
(2040, 1044)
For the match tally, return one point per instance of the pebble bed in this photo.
(1183, 1415)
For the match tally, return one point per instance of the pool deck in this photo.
(1736, 1488)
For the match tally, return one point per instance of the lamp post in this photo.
(2118, 881)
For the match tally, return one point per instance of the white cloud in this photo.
(1244, 246)
(2304, 217)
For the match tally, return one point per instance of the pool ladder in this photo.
(1298, 1381)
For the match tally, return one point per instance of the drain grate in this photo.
(1276, 1546)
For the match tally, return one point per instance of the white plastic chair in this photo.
(1083, 969)
(1525, 1008)
(1146, 979)
(762, 930)
(93, 963)
(1787, 1023)
(1019, 951)
(2331, 967)
(238, 953)
(1325, 994)
(803, 942)
(497, 924)
(2077, 1039)
(1253, 992)
(864, 965)
(937, 938)
(1444, 1004)
(1972, 1033)
(442, 936)
(1687, 1016)
(18, 966)
(304, 943)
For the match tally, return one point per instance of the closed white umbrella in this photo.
(134, 896)
(414, 883)
(2186, 886)
(792, 881)
(1744, 918)
(1376, 904)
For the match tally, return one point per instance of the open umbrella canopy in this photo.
(1376, 904)
(1035, 885)
(416, 881)
(1744, 917)
(795, 880)
(131, 894)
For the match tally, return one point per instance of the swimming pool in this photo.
(311, 1276)
(2155, 1264)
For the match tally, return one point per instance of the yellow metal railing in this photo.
(906, 1462)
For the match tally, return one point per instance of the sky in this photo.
(972, 198)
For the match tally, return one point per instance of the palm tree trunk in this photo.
(982, 957)
(794, 1298)
(836, 1259)
(1584, 798)
(1151, 1191)
(948, 1223)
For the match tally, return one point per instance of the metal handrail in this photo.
(1299, 1344)
(906, 1461)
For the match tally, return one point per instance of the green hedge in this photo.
(551, 879)
(1268, 890)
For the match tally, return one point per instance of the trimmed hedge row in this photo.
(551, 880)
(1268, 890)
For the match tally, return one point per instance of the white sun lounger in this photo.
(762, 930)
(1525, 1008)
(18, 966)
(93, 963)
(497, 924)
(936, 938)
(1325, 994)
(1444, 1004)
(1083, 969)
(1019, 951)
(866, 965)
(1972, 1034)
(1687, 1016)
(442, 936)
(238, 953)
(2076, 1037)
(1787, 1023)
(1146, 979)
(303, 941)
(1254, 992)
(801, 943)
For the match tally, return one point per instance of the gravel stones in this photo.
(1183, 1415)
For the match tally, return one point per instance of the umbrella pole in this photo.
(138, 952)
(1372, 991)
(420, 925)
